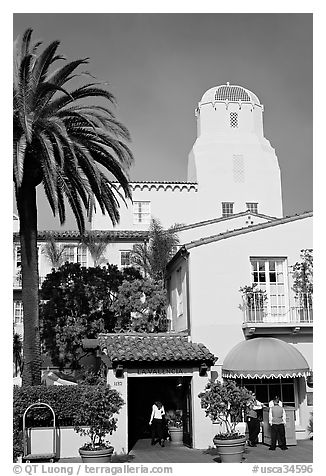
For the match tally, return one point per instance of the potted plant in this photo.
(254, 302)
(95, 417)
(311, 426)
(225, 403)
(175, 426)
(302, 275)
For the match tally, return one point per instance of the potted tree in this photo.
(225, 403)
(95, 417)
(302, 275)
(254, 302)
(175, 426)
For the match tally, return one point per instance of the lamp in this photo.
(310, 381)
(179, 383)
(203, 370)
(119, 371)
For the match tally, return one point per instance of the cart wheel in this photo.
(27, 461)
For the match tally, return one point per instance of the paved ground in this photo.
(143, 452)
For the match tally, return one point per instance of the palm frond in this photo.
(18, 159)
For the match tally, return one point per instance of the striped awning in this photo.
(264, 357)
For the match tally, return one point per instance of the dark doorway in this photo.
(173, 392)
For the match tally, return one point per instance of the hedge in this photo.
(65, 400)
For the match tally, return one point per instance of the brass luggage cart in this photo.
(28, 456)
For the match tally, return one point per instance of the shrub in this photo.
(225, 403)
(66, 402)
(96, 409)
(311, 425)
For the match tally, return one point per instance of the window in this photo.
(266, 389)
(81, 255)
(238, 168)
(18, 259)
(252, 207)
(75, 254)
(142, 213)
(270, 276)
(227, 209)
(124, 258)
(18, 312)
(233, 119)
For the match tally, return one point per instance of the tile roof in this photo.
(247, 229)
(136, 348)
(75, 235)
(183, 250)
(220, 219)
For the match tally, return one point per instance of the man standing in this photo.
(277, 420)
(253, 421)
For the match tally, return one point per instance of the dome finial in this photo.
(228, 83)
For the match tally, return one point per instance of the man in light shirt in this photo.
(271, 403)
(277, 420)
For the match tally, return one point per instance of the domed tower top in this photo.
(232, 161)
(230, 93)
(231, 111)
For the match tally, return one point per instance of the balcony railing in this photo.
(256, 309)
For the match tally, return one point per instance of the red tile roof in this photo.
(75, 235)
(135, 348)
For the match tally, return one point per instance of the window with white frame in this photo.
(227, 209)
(270, 275)
(75, 254)
(125, 258)
(18, 312)
(252, 207)
(142, 212)
(82, 255)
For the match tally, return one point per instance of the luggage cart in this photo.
(28, 456)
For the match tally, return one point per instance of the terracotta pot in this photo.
(96, 456)
(176, 435)
(230, 451)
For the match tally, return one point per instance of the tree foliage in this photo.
(141, 306)
(98, 409)
(225, 403)
(153, 256)
(96, 244)
(53, 251)
(302, 273)
(77, 305)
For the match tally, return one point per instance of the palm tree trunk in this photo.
(27, 209)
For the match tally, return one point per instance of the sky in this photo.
(158, 66)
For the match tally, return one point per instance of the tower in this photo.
(234, 164)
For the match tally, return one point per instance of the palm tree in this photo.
(53, 251)
(153, 256)
(67, 144)
(96, 244)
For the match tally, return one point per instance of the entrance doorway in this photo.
(173, 392)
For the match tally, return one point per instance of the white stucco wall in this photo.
(233, 164)
(213, 227)
(220, 268)
(170, 204)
